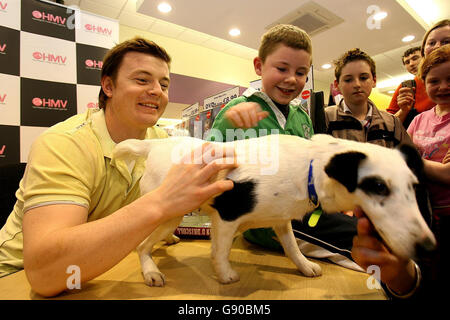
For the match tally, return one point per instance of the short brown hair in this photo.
(350, 56)
(286, 34)
(114, 57)
(436, 57)
(437, 25)
(409, 52)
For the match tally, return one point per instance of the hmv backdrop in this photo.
(50, 61)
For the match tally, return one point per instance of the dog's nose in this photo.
(425, 246)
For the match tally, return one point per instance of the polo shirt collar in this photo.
(101, 131)
(98, 121)
(262, 95)
(131, 171)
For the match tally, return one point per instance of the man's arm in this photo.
(57, 236)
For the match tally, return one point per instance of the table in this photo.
(264, 275)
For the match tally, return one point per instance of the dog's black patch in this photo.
(344, 168)
(415, 163)
(374, 185)
(236, 202)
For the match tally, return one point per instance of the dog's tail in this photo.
(132, 149)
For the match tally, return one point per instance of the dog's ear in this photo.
(415, 163)
(343, 167)
(413, 160)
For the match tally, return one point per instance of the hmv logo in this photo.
(93, 64)
(3, 5)
(97, 29)
(2, 48)
(42, 103)
(3, 98)
(48, 57)
(49, 18)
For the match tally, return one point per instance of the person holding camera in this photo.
(410, 98)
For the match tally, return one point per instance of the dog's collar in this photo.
(315, 215)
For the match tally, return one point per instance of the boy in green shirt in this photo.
(283, 62)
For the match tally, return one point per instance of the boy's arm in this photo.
(393, 106)
(404, 136)
(239, 113)
(245, 115)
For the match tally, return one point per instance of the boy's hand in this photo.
(245, 115)
(405, 98)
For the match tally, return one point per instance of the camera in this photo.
(409, 84)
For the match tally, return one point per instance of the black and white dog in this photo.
(272, 186)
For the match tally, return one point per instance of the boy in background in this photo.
(411, 59)
(283, 62)
(356, 117)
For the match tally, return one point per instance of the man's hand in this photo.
(189, 184)
(245, 115)
(397, 273)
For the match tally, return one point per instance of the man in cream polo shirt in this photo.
(76, 205)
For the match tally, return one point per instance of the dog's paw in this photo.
(311, 269)
(154, 279)
(172, 239)
(228, 277)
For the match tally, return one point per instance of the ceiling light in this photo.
(234, 32)
(380, 15)
(408, 38)
(426, 11)
(391, 91)
(326, 66)
(164, 7)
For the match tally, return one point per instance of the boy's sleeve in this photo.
(393, 106)
(221, 123)
(60, 169)
(404, 136)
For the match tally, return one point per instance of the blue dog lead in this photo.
(315, 215)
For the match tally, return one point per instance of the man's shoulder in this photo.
(76, 130)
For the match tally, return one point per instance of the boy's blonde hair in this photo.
(350, 56)
(289, 35)
(436, 57)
